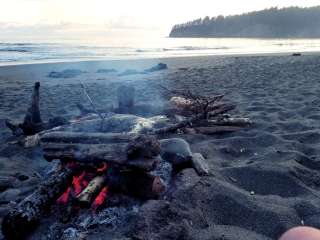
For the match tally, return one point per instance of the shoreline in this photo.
(144, 59)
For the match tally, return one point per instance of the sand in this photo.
(263, 181)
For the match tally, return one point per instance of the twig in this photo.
(92, 104)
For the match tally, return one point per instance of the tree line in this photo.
(292, 22)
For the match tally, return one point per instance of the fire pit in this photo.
(112, 163)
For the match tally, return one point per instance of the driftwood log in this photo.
(32, 122)
(216, 129)
(221, 109)
(115, 149)
(24, 217)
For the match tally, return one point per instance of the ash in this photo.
(109, 217)
(87, 222)
(163, 170)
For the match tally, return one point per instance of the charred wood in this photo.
(24, 217)
(137, 184)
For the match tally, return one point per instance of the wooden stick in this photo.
(240, 122)
(92, 104)
(86, 197)
(222, 109)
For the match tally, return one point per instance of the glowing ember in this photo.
(63, 199)
(103, 168)
(100, 198)
(79, 183)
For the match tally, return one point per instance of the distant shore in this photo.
(154, 59)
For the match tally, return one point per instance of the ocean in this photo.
(20, 52)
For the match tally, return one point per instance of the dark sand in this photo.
(264, 180)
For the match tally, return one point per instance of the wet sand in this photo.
(264, 180)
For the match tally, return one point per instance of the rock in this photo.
(158, 67)
(9, 195)
(129, 72)
(22, 177)
(106, 70)
(199, 164)
(68, 73)
(5, 183)
(177, 152)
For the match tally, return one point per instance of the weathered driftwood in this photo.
(126, 98)
(190, 121)
(23, 218)
(32, 122)
(87, 196)
(89, 138)
(117, 149)
(228, 121)
(217, 129)
(199, 164)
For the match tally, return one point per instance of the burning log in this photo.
(86, 197)
(24, 217)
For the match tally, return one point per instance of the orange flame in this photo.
(63, 199)
(100, 198)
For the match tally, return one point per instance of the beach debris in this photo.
(32, 122)
(177, 152)
(158, 67)
(129, 72)
(86, 148)
(67, 73)
(199, 164)
(106, 70)
(203, 114)
(126, 98)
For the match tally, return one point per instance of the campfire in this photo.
(122, 152)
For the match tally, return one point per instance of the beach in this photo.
(263, 180)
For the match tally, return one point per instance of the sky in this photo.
(93, 16)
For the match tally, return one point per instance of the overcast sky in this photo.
(125, 14)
